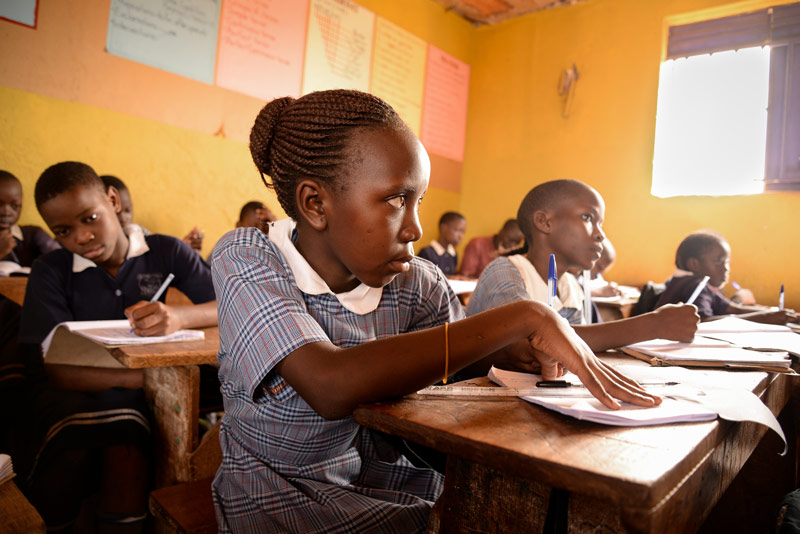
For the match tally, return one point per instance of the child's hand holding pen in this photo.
(194, 238)
(7, 243)
(154, 318)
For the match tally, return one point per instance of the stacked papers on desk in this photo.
(587, 408)
(118, 332)
(704, 352)
(688, 396)
(6, 468)
(752, 335)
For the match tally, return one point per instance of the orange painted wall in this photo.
(180, 145)
(518, 138)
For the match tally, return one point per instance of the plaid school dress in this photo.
(285, 468)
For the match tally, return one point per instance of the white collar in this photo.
(569, 293)
(361, 300)
(681, 273)
(440, 250)
(136, 247)
(16, 232)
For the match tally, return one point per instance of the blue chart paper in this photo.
(179, 36)
(22, 11)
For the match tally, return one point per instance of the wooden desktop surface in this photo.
(505, 455)
(196, 352)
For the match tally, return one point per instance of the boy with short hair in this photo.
(565, 217)
(707, 253)
(442, 251)
(256, 214)
(19, 244)
(102, 273)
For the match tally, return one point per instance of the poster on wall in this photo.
(398, 71)
(179, 37)
(444, 112)
(20, 11)
(338, 46)
(261, 45)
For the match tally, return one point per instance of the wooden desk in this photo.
(172, 389)
(13, 287)
(18, 515)
(614, 310)
(505, 456)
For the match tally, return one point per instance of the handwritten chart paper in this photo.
(22, 11)
(338, 47)
(180, 37)
(261, 47)
(398, 71)
(444, 114)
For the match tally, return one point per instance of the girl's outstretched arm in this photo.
(334, 380)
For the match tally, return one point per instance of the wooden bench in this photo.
(185, 508)
(13, 287)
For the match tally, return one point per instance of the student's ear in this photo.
(692, 264)
(541, 221)
(113, 196)
(311, 198)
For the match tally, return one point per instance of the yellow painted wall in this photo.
(180, 145)
(518, 138)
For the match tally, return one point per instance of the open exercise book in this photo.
(81, 342)
(752, 335)
(577, 402)
(687, 397)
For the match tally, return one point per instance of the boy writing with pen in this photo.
(564, 218)
(101, 273)
(707, 254)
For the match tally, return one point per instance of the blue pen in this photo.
(780, 299)
(552, 279)
(736, 286)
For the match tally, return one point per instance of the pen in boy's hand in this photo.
(160, 291)
(552, 280)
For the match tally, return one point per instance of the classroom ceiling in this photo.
(487, 12)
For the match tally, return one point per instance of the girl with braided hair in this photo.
(332, 310)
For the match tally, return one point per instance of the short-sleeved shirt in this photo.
(478, 253)
(502, 283)
(284, 467)
(32, 242)
(445, 258)
(709, 302)
(66, 287)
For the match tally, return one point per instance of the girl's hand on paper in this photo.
(152, 319)
(556, 343)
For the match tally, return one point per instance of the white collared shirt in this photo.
(440, 250)
(361, 300)
(16, 232)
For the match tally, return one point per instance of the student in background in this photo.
(102, 273)
(442, 251)
(333, 310)
(19, 244)
(256, 214)
(125, 214)
(598, 285)
(194, 238)
(564, 218)
(706, 253)
(480, 251)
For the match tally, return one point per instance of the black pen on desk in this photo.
(565, 384)
(160, 291)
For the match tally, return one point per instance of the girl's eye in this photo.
(587, 217)
(61, 233)
(91, 218)
(397, 202)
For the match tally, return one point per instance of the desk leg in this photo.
(477, 498)
(173, 394)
